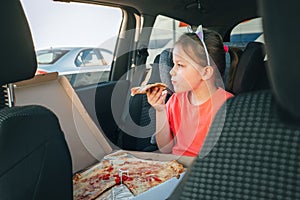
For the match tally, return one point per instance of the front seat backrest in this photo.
(35, 159)
(255, 157)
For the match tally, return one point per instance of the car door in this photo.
(105, 100)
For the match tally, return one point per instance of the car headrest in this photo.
(18, 59)
(249, 69)
(283, 52)
(155, 78)
(165, 66)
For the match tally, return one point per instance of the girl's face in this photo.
(186, 73)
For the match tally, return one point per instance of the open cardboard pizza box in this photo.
(86, 142)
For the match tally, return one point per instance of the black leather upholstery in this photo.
(35, 159)
(256, 156)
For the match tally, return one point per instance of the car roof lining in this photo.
(231, 12)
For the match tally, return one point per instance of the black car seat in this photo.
(138, 118)
(165, 66)
(3, 99)
(141, 137)
(35, 159)
(162, 74)
(250, 72)
(256, 155)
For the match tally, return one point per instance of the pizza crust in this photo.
(143, 89)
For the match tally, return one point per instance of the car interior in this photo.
(50, 130)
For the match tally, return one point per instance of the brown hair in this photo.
(235, 53)
(214, 44)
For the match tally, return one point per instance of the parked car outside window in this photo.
(81, 65)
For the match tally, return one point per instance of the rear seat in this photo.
(165, 66)
(141, 112)
(250, 72)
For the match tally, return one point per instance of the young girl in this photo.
(183, 123)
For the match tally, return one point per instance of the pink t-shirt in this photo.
(189, 123)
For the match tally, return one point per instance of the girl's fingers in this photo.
(154, 95)
(164, 95)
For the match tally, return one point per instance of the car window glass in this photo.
(57, 25)
(247, 31)
(49, 57)
(90, 57)
(165, 32)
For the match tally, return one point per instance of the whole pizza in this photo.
(138, 175)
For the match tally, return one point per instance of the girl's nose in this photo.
(172, 72)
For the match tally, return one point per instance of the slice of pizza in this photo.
(146, 174)
(91, 188)
(143, 89)
(87, 186)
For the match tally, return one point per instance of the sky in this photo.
(58, 24)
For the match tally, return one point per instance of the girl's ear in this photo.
(207, 72)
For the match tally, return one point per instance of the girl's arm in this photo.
(164, 138)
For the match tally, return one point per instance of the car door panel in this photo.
(98, 102)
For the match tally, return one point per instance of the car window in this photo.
(84, 30)
(90, 57)
(165, 32)
(49, 56)
(247, 31)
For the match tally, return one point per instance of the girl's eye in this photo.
(180, 65)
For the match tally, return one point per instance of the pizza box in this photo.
(86, 142)
(162, 191)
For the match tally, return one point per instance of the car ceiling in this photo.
(209, 13)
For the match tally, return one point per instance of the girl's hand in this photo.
(156, 97)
